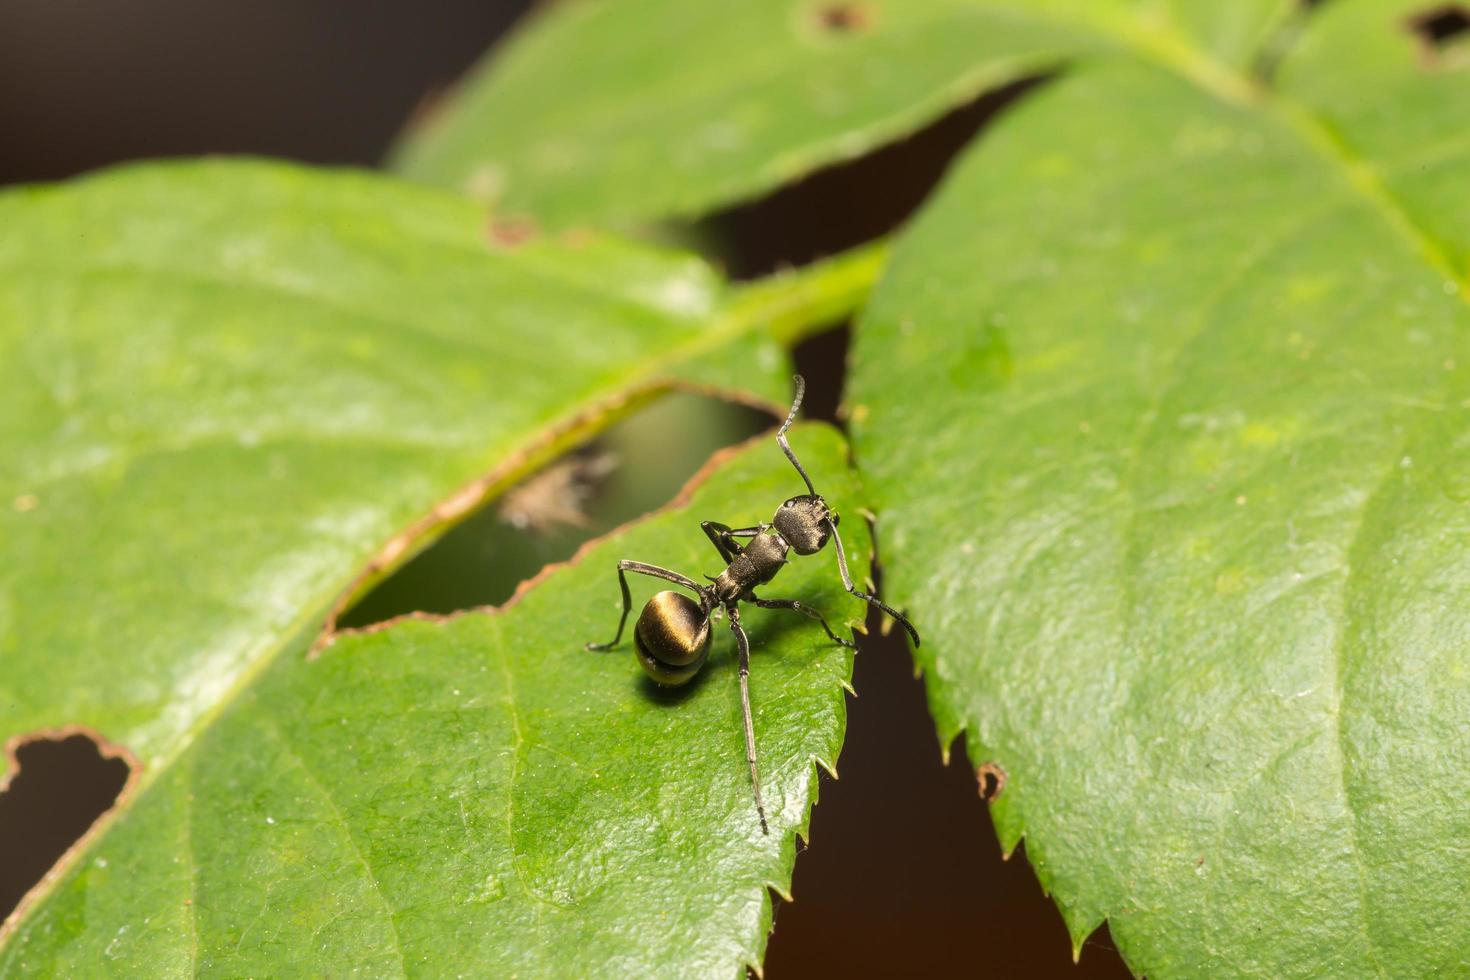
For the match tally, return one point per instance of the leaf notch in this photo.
(680, 500)
(491, 485)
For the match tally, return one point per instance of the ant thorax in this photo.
(757, 563)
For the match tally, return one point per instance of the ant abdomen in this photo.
(672, 638)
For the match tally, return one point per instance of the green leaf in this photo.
(483, 796)
(1194, 569)
(233, 393)
(1396, 104)
(226, 387)
(620, 113)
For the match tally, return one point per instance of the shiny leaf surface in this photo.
(1194, 570)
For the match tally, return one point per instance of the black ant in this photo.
(673, 632)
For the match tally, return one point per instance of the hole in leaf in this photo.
(1439, 26)
(844, 18)
(848, 203)
(637, 465)
(992, 781)
(57, 787)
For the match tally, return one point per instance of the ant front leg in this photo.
(743, 643)
(866, 597)
(723, 537)
(626, 566)
(807, 611)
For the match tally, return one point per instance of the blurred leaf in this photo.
(226, 387)
(623, 112)
(1194, 571)
(1397, 100)
(482, 796)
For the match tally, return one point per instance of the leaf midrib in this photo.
(1174, 53)
(349, 836)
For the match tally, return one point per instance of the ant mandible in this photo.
(672, 636)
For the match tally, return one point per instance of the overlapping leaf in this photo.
(1194, 565)
(483, 795)
(1181, 504)
(642, 109)
(1191, 550)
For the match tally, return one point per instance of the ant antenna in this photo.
(781, 435)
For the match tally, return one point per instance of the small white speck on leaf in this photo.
(684, 294)
(768, 356)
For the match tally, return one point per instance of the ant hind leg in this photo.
(624, 567)
(743, 642)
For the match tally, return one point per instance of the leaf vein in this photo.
(268, 724)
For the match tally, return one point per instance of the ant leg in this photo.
(716, 532)
(743, 642)
(626, 566)
(805, 610)
(870, 599)
(723, 538)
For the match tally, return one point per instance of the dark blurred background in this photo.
(903, 874)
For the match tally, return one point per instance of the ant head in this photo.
(805, 522)
(802, 521)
